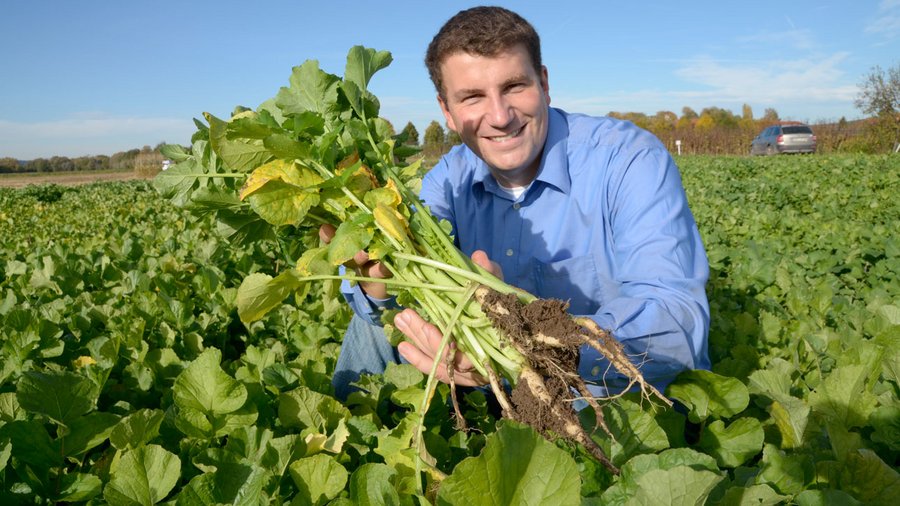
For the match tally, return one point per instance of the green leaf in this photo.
(773, 382)
(88, 431)
(204, 386)
(680, 485)
(735, 444)
(791, 416)
(32, 444)
(870, 479)
(144, 475)
(755, 495)
(350, 238)
(371, 485)
(311, 89)
(787, 473)
(826, 497)
(516, 467)
(78, 487)
(844, 396)
(236, 155)
(303, 408)
(232, 483)
(62, 396)
(635, 430)
(136, 429)
(707, 394)
(363, 63)
(319, 478)
(260, 293)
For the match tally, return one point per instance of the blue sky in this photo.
(96, 77)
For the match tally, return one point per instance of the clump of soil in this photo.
(550, 339)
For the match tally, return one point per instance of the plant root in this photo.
(549, 338)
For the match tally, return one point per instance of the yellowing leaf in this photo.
(391, 222)
(285, 171)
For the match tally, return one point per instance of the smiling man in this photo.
(590, 210)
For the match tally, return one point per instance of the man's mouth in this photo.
(509, 136)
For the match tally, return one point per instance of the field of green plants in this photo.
(126, 376)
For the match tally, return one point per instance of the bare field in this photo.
(65, 178)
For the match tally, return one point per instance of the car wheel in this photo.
(770, 150)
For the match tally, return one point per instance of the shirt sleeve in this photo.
(660, 313)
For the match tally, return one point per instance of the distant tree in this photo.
(747, 112)
(879, 92)
(770, 116)
(688, 113)
(61, 164)
(434, 139)
(453, 138)
(412, 135)
(879, 96)
(9, 165)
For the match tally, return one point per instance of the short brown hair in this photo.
(481, 31)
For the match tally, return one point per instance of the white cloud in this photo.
(805, 88)
(88, 134)
(887, 20)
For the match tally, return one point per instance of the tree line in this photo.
(133, 159)
(711, 131)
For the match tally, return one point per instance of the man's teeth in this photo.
(506, 137)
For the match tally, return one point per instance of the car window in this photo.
(799, 129)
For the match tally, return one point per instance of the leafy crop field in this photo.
(126, 376)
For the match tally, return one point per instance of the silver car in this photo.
(784, 138)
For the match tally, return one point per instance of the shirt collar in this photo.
(554, 168)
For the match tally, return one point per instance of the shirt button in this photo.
(509, 252)
(516, 206)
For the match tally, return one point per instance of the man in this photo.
(584, 209)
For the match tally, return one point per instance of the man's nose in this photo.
(500, 113)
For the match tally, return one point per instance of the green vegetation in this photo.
(126, 375)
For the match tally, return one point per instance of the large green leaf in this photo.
(319, 479)
(735, 444)
(136, 429)
(204, 386)
(303, 408)
(236, 154)
(62, 396)
(311, 89)
(144, 475)
(707, 394)
(260, 293)
(844, 396)
(363, 63)
(232, 483)
(870, 479)
(516, 467)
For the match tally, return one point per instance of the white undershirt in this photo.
(516, 191)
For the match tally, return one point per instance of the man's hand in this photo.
(425, 339)
(362, 266)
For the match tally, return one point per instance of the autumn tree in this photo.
(879, 96)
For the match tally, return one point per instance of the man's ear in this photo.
(447, 117)
(545, 83)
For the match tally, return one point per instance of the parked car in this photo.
(784, 138)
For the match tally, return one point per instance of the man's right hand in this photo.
(362, 266)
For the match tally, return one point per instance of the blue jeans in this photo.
(365, 350)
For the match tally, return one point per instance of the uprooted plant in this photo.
(318, 153)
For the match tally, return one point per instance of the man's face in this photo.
(498, 106)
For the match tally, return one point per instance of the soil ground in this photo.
(65, 178)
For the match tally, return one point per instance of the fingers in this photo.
(424, 342)
(481, 258)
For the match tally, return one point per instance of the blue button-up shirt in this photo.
(605, 226)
